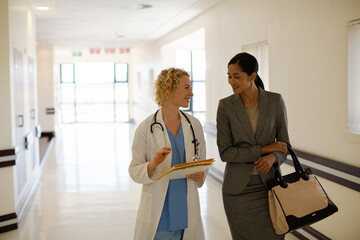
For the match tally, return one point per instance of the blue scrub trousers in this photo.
(169, 235)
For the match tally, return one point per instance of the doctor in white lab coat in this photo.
(152, 156)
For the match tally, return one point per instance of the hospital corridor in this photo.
(82, 81)
(85, 190)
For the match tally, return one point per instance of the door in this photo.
(33, 145)
(19, 118)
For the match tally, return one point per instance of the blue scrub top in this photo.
(175, 211)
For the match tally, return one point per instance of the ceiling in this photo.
(115, 23)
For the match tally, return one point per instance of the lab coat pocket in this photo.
(144, 214)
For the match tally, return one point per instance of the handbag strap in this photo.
(298, 168)
(297, 165)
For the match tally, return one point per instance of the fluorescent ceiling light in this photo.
(42, 8)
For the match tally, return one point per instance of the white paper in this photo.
(181, 173)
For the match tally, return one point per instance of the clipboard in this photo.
(183, 169)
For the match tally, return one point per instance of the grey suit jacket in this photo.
(238, 146)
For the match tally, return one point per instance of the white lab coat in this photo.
(153, 191)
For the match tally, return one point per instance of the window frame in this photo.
(61, 74)
(352, 134)
(190, 109)
(75, 103)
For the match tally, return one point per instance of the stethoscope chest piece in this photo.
(196, 157)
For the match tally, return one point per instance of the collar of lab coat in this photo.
(188, 137)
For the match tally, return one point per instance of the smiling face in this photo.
(183, 93)
(239, 81)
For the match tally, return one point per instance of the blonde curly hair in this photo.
(166, 83)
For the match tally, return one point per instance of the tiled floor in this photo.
(86, 192)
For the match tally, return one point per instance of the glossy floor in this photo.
(85, 191)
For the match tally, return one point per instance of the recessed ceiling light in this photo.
(142, 6)
(138, 6)
(42, 8)
(119, 35)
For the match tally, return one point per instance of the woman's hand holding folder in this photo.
(191, 170)
(196, 177)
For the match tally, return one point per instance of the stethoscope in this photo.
(194, 141)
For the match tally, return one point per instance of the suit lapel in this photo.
(263, 112)
(243, 117)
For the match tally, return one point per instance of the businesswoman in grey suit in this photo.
(252, 137)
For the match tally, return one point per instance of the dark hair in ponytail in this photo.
(249, 65)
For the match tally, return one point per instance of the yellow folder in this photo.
(183, 169)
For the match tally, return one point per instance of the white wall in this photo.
(144, 61)
(307, 65)
(45, 61)
(5, 109)
(22, 36)
(7, 196)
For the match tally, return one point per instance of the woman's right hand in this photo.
(158, 158)
(160, 155)
(276, 146)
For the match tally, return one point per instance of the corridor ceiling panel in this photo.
(115, 23)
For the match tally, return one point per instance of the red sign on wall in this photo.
(109, 50)
(95, 51)
(124, 50)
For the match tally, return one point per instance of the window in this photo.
(353, 118)
(67, 73)
(193, 61)
(121, 72)
(188, 53)
(121, 86)
(67, 92)
(94, 92)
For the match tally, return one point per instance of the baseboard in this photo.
(8, 222)
(29, 193)
(49, 135)
(11, 221)
(216, 174)
(43, 160)
(7, 157)
(215, 177)
(307, 233)
(313, 232)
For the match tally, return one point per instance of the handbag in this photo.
(297, 199)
